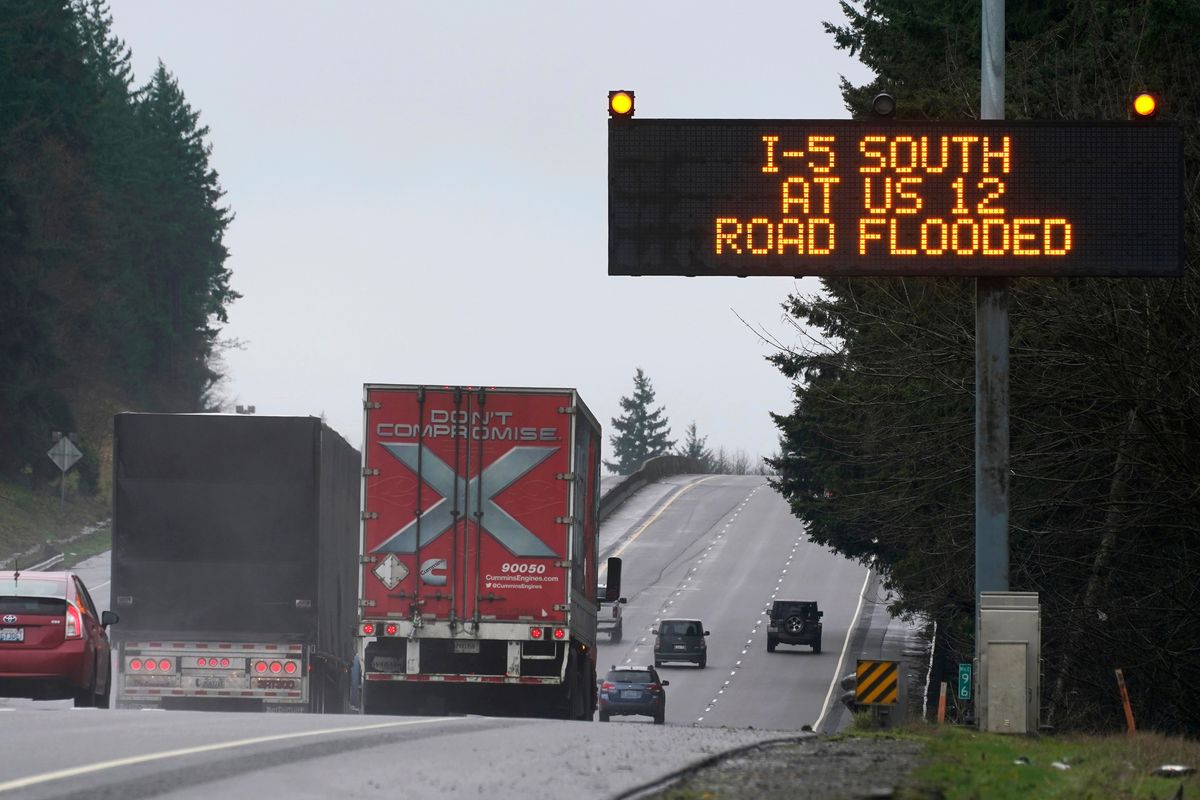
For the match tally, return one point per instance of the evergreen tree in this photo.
(185, 278)
(46, 215)
(641, 431)
(694, 447)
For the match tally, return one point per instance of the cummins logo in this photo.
(433, 572)
(498, 476)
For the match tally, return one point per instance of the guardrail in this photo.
(39, 567)
(651, 470)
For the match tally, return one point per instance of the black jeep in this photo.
(794, 622)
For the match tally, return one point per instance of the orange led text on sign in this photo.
(902, 182)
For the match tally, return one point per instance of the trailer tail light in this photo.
(136, 665)
(164, 665)
(391, 629)
(276, 667)
(260, 667)
(212, 663)
(151, 665)
(74, 623)
(367, 628)
(290, 668)
(535, 633)
(560, 633)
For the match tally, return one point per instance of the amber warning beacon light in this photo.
(1145, 106)
(620, 104)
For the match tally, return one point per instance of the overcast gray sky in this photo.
(421, 193)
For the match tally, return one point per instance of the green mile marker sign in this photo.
(964, 681)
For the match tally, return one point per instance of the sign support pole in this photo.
(991, 366)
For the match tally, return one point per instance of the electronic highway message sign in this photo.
(842, 198)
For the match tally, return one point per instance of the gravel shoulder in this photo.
(816, 767)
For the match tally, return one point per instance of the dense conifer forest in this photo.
(113, 285)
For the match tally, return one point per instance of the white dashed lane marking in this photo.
(761, 616)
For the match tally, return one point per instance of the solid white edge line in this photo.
(46, 777)
(837, 674)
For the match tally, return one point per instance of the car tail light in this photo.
(390, 629)
(535, 633)
(654, 687)
(290, 667)
(136, 665)
(560, 633)
(260, 666)
(608, 687)
(276, 667)
(74, 623)
(368, 629)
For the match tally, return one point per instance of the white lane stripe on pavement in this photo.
(46, 777)
(862, 596)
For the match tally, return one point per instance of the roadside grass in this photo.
(964, 764)
(84, 547)
(29, 519)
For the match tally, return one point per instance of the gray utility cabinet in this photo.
(1010, 653)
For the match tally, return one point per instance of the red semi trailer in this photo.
(478, 545)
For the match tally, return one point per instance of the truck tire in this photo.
(370, 699)
(579, 691)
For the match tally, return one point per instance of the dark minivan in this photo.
(680, 640)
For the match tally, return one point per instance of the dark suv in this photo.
(680, 640)
(794, 622)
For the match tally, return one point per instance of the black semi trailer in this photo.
(234, 564)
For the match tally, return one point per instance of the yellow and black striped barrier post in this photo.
(878, 683)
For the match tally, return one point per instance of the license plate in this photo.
(466, 645)
(630, 694)
(681, 647)
(210, 683)
(12, 634)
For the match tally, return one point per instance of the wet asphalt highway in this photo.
(719, 548)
